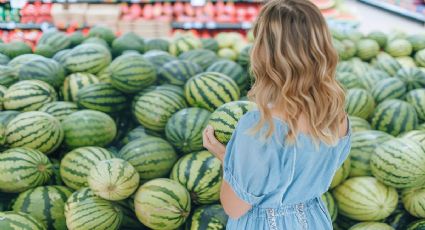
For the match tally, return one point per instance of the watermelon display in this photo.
(349, 80)
(84, 210)
(50, 199)
(152, 157)
(397, 163)
(208, 217)
(232, 70)
(22, 169)
(367, 49)
(394, 117)
(75, 82)
(370, 78)
(210, 90)
(359, 103)
(413, 77)
(36, 130)
(101, 97)
(76, 165)
(399, 48)
(43, 69)
(204, 58)
(413, 201)
(131, 73)
(182, 44)
(20, 220)
(189, 138)
(55, 40)
(389, 88)
(162, 204)
(204, 185)
(113, 179)
(330, 205)
(363, 145)
(28, 95)
(90, 58)
(153, 109)
(88, 128)
(365, 199)
(178, 72)
(387, 64)
(59, 109)
(225, 118)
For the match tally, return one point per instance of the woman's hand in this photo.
(212, 144)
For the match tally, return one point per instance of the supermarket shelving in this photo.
(211, 25)
(396, 9)
(135, 1)
(25, 26)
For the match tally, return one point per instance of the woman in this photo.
(282, 157)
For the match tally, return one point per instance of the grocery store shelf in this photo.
(25, 26)
(396, 9)
(211, 25)
(134, 1)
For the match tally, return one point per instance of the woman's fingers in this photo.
(211, 136)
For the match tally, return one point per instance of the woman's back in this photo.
(280, 177)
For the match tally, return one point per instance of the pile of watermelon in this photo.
(105, 132)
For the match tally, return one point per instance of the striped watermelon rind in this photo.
(22, 169)
(162, 204)
(413, 77)
(417, 99)
(390, 88)
(413, 201)
(90, 58)
(75, 165)
(29, 95)
(74, 83)
(201, 174)
(59, 109)
(341, 174)
(102, 97)
(178, 72)
(208, 217)
(371, 226)
(330, 205)
(20, 220)
(113, 179)
(360, 103)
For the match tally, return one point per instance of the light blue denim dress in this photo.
(282, 182)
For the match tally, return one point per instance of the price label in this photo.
(198, 2)
(187, 25)
(11, 25)
(47, 1)
(211, 25)
(18, 3)
(197, 25)
(246, 25)
(135, 1)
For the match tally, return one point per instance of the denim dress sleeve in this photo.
(250, 164)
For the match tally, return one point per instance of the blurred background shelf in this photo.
(396, 9)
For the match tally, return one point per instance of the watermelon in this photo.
(105, 75)
(413, 201)
(232, 70)
(157, 44)
(61, 56)
(152, 157)
(420, 58)
(59, 109)
(380, 37)
(14, 49)
(227, 54)
(84, 210)
(55, 40)
(130, 220)
(101, 97)
(413, 77)
(398, 163)
(43, 69)
(45, 51)
(7, 116)
(349, 80)
(365, 199)
(46, 203)
(367, 49)
(182, 44)
(330, 205)
(371, 226)
(225, 118)
(88, 128)
(341, 174)
(136, 133)
(19, 60)
(131, 73)
(159, 58)
(4, 59)
(2, 92)
(400, 219)
(55, 179)
(371, 77)
(359, 124)
(244, 56)
(113, 179)
(75, 82)
(128, 41)
(208, 217)
(416, 135)
(201, 174)
(178, 72)
(76, 38)
(209, 90)
(394, 117)
(90, 58)
(97, 41)
(417, 99)
(8, 76)
(184, 129)
(102, 32)
(153, 109)
(390, 88)
(162, 204)
(75, 165)
(363, 145)
(417, 41)
(417, 225)
(346, 48)
(406, 62)
(28, 95)
(399, 48)
(387, 64)
(20, 220)
(36, 130)
(203, 58)
(22, 169)
(359, 103)
(209, 44)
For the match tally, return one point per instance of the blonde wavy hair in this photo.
(294, 63)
